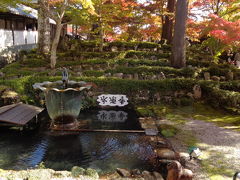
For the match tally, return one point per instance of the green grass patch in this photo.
(168, 130)
(218, 116)
(216, 165)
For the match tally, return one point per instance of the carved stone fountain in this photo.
(64, 100)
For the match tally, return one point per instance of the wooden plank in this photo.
(26, 117)
(8, 107)
(19, 114)
(15, 113)
(99, 130)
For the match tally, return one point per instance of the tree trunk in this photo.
(167, 28)
(43, 31)
(178, 49)
(55, 42)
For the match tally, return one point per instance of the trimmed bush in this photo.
(86, 55)
(198, 63)
(220, 97)
(230, 86)
(150, 70)
(142, 54)
(93, 73)
(139, 62)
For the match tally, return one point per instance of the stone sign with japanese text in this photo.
(112, 100)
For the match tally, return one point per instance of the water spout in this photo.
(65, 77)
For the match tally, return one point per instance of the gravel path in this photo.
(220, 147)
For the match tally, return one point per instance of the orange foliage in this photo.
(228, 32)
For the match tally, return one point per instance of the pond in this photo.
(103, 151)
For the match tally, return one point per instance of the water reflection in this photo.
(109, 119)
(99, 150)
(112, 116)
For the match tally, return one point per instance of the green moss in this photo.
(216, 165)
(77, 171)
(188, 138)
(152, 110)
(218, 116)
(144, 112)
(168, 130)
(92, 173)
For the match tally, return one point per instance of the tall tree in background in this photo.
(178, 59)
(44, 39)
(167, 28)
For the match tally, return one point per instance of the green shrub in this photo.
(230, 85)
(150, 70)
(17, 69)
(31, 62)
(186, 101)
(88, 44)
(142, 54)
(148, 45)
(166, 47)
(198, 63)
(87, 55)
(139, 62)
(93, 73)
(220, 97)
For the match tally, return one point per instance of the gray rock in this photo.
(151, 132)
(157, 175)
(79, 73)
(118, 75)
(161, 76)
(215, 78)
(77, 171)
(136, 172)
(237, 57)
(197, 92)
(2, 74)
(147, 175)
(123, 172)
(92, 173)
(154, 77)
(206, 76)
(114, 48)
(108, 75)
(153, 58)
(136, 76)
(40, 174)
(128, 76)
(222, 78)
(229, 76)
(165, 153)
(135, 56)
(157, 96)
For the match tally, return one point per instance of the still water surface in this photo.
(103, 151)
